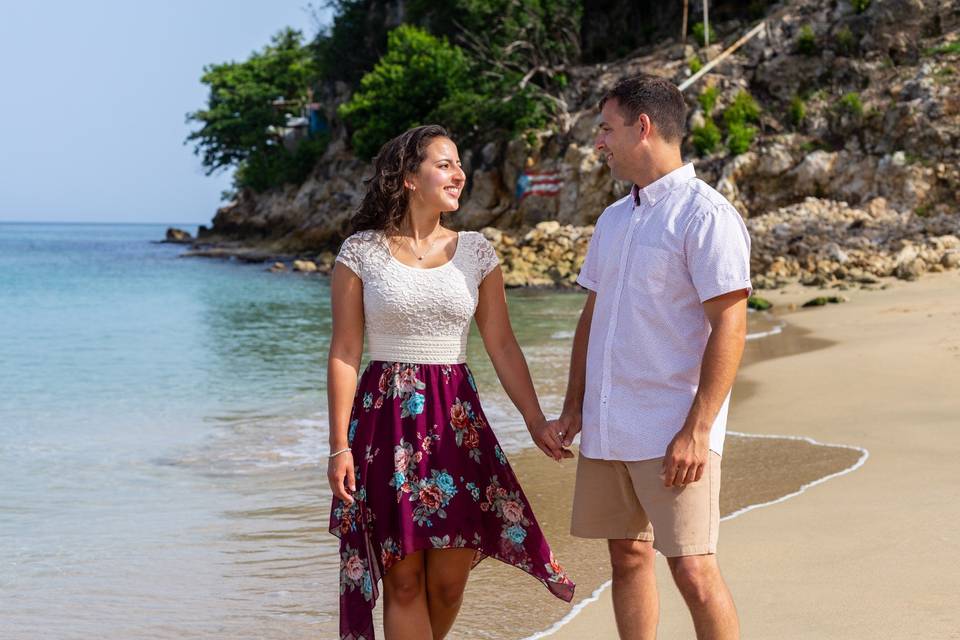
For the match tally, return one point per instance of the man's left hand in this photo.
(685, 458)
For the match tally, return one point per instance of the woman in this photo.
(422, 491)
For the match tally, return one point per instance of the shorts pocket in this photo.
(650, 271)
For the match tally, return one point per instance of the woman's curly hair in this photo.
(384, 204)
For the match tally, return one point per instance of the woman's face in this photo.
(440, 179)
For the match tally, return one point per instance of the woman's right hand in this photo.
(340, 474)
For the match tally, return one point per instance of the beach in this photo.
(873, 553)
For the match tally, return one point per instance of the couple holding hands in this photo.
(423, 491)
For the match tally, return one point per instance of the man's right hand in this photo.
(569, 424)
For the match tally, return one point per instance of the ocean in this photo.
(163, 437)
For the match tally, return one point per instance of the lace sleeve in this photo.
(486, 256)
(351, 254)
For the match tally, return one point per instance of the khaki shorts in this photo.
(627, 501)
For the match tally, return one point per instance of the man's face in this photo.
(618, 142)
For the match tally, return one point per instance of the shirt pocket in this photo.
(650, 271)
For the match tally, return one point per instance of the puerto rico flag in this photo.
(538, 183)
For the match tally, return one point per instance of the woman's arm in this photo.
(343, 364)
(493, 320)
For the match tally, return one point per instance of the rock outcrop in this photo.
(848, 189)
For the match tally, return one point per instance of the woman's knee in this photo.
(404, 583)
(446, 589)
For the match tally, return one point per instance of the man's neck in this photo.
(656, 168)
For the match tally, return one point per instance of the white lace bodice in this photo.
(418, 315)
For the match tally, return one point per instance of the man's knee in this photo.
(629, 557)
(404, 584)
(695, 576)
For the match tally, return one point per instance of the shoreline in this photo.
(881, 385)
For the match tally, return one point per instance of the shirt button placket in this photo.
(608, 343)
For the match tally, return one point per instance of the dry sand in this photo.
(870, 554)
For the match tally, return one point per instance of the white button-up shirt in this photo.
(655, 257)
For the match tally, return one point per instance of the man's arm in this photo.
(685, 457)
(569, 422)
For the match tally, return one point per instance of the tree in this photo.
(405, 88)
(248, 104)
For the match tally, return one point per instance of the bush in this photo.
(743, 109)
(277, 166)
(406, 87)
(698, 33)
(706, 138)
(944, 49)
(851, 104)
(860, 5)
(739, 137)
(846, 43)
(806, 41)
(708, 100)
(695, 64)
(797, 111)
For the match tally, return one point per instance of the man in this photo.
(654, 357)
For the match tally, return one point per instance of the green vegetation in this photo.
(860, 5)
(845, 41)
(737, 116)
(743, 109)
(806, 41)
(243, 122)
(695, 64)
(758, 303)
(706, 138)
(797, 111)
(851, 104)
(407, 87)
(708, 100)
(739, 137)
(698, 33)
(944, 49)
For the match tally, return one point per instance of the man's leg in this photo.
(707, 596)
(636, 605)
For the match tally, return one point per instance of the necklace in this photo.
(429, 248)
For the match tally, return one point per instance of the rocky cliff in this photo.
(862, 177)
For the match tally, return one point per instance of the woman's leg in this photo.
(447, 572)
(405, 614)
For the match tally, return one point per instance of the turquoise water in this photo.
(163, 436)
(163, 440)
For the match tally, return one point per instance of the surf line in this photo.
(864, 455)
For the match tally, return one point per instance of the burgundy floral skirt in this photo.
(429, 475)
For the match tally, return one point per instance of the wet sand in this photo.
(869, 554)
(503, 603)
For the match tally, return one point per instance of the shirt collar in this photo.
(658, 189)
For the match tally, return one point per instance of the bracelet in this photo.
(335, 454)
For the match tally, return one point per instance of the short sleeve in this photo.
(351, 254)
(717, 248)
(486, 256)
(589, 277)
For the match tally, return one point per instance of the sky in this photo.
(95, 96)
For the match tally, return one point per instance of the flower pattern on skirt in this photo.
(448, 485)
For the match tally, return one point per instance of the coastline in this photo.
(835, 560)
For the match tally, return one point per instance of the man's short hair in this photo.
(657, 97)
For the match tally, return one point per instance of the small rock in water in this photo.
(305, 266)
(277, 266)
(821, 301)
(178, 235)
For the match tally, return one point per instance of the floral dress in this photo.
(430, 473)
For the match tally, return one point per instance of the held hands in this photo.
(548, 436)
(341, 477)
(685, 458)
